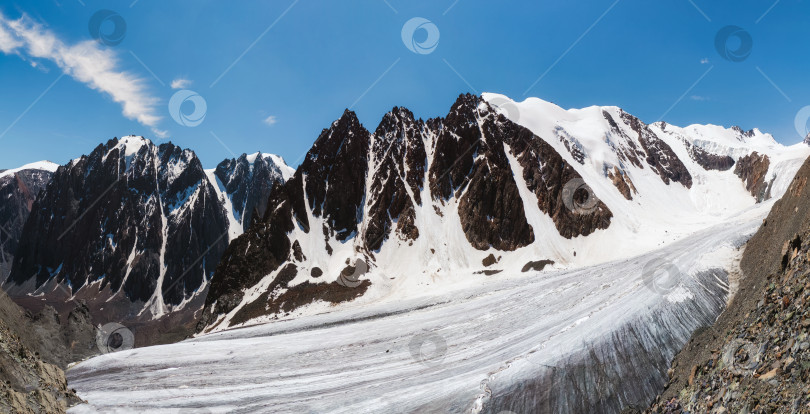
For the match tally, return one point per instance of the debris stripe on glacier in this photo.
(498, 335)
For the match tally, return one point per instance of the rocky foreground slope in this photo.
(31, 379)
(756, 357)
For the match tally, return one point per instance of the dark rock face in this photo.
(743, 134)
(335, 170)
(371, 186)
(248, 181)
(471, 164)
(18, 191)
(708, 160)
(659, 154)
(133, 218)
(29, 380)
(537, 265)
(399, 154)
(752, 170)
(622, 182)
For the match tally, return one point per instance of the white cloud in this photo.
(181, 83)
(85, 62)
(270, 120)
(704, 61)
(698, 98)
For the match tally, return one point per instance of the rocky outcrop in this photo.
(622, 182)
(30, 382)
(18, 190)
(756, 357)
(399, 156)
(247, 181)
(752, 169)
(708, 160)
(472, 166)
(659, 154)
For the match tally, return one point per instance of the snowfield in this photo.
(509, 343)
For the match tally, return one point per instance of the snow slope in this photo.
(39, 165)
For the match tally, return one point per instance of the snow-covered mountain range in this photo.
(135, 229)
(496, 188)
(507, 256)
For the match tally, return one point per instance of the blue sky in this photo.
(272, 74)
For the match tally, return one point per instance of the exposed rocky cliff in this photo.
(31, 379)
(18, 190)
(134, 229)
(247, 181)
(752, 169)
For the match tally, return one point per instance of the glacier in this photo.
(591, 339)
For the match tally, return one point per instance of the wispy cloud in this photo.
(180, 83)
(699, 98)
(86, 62)
(704, 61)
(270, 120)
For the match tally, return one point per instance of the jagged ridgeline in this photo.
(481, 191)
(135, 229)
(495, 188)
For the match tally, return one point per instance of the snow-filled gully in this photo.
(583, 340)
